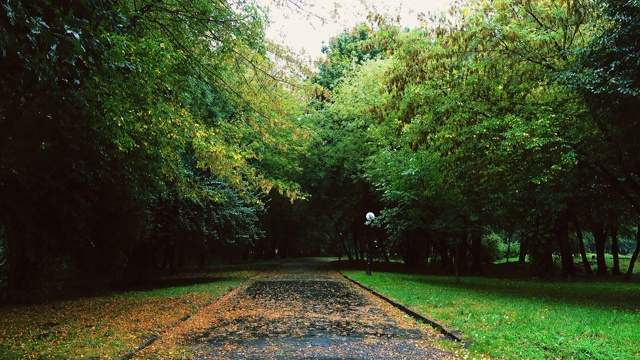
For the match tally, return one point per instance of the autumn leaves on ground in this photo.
(286, 312)
(110, 326)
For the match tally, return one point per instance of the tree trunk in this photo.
(634, 257)
(357, 253)
(600, 238)
(169, 256)
(541, 249)
(283, 248)
(456, 262)
(509, 237)
(383, 248)
(462, 251)
(404, 253)
(476, 251)
(615, 249)
(562, 235)
(445, 258)
(427, 248)
(524, 243)
(19, 266)
(344, 247)
(409, 252)
(203, 260)
(273, 241)
(583, 252)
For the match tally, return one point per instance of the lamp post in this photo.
(370, 216)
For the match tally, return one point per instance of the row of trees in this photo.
(512, 117)
(135, 133)
(142, 134)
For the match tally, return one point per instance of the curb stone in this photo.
(142, 346)
(452, 334)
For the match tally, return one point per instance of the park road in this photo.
(305, 310)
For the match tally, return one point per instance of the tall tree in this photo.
(607, 76)
(502, 138)
(339, 114)
(111, 106)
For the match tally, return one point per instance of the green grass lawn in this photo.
(517, 319)
(624, 262)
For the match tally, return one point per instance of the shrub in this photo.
(513, 251)
(493, 247)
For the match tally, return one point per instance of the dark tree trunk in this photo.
(562, 235)
(363, 246)
(583, 252)
(615, 249)
(541, 249)
(476, 251)
(344, 247)
(410, 253)
(283, 248)
(634, 257)
(509, 237)
(273, 241)
(203, 260)
(246, 252)
(357, 249)
(169, 256)
(600, 238)
(456, 264)
(383, 248)
(19, 266)
(182, 252)
(443, 250)
(462, 251)
(524, 244)
(404, 251)
(427, 247)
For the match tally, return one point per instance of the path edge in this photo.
(152, 339)
(451, 334)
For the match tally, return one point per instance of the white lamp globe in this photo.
(370, 216)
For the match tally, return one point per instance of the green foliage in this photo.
(348, 92)
(609, 62)
(343, 51)
(606, 75)
(493, 247)
(111, 106)
(462, 144)
(129, 125)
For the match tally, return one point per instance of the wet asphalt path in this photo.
(305, 310)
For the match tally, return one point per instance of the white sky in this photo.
(307, 33)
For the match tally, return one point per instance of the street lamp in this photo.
(370, 216)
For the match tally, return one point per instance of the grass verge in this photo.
(515, 319)
(110, 326)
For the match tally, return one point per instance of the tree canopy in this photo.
(122, 120)
(138, 135)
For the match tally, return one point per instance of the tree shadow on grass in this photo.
(509, 280)
(610, 295)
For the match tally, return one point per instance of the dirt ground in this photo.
(301, 310)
